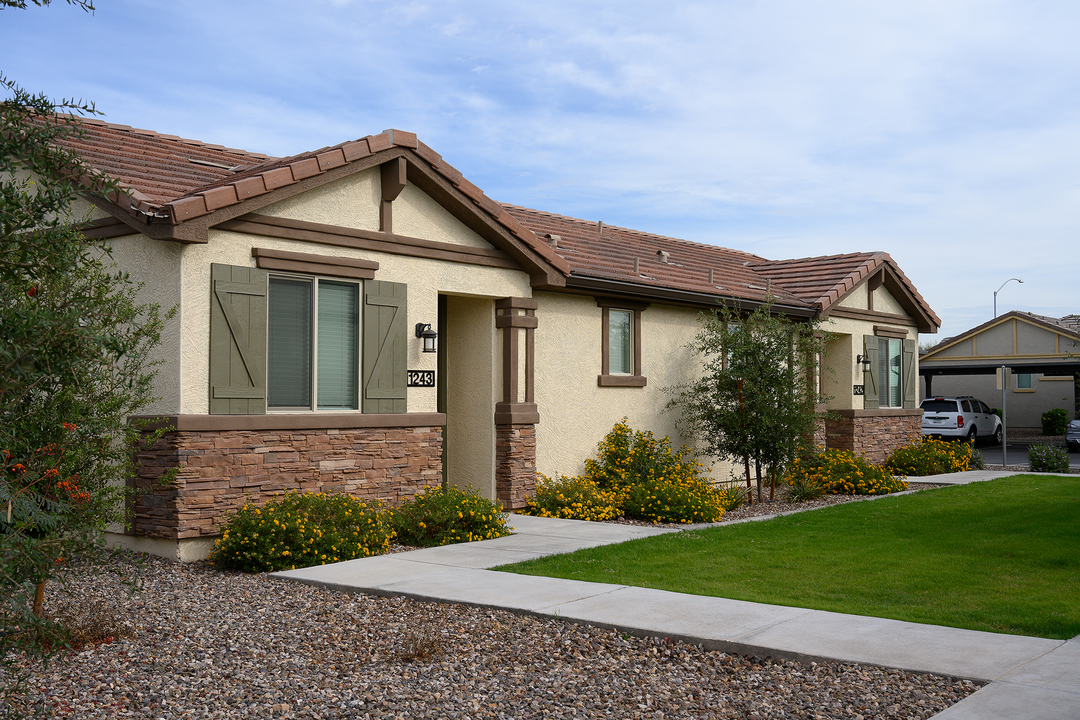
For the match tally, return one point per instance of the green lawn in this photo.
(1001, 556)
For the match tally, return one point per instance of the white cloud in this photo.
(943, 133)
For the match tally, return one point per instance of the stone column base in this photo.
(874, 434)
(515, 464)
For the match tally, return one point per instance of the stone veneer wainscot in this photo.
(874, 434)
(220, 470)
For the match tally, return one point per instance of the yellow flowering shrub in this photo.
(633, 474)
(842, 472)
(673, 500)
(576, 498)
(931, 456)
(302, 529)
(438, 516)
(627, 457)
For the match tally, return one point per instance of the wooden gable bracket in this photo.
(393, 174)
(876, 280)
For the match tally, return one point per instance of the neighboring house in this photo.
(1042, 355)
(304, 284)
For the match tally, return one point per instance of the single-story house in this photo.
(305, 287)
(1042, 360)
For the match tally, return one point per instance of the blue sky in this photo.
(944, 133)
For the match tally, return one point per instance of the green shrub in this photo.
(841, 472)
(931, 456)
(1048, 458)
(732, 496)
(673, 500)
(299, 530)
(977, 462)
(443, 516)
(627, 457)
(802, 487)
(1054, 421)
(576, 498)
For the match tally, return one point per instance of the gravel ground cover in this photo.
(195, 642)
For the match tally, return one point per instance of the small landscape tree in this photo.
(75, 364)
(756, 400)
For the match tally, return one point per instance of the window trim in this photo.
(635, 378)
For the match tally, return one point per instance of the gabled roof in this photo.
(177, 189)
(824, 281)
(1068, 326)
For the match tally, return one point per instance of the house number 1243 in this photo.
(421, 378)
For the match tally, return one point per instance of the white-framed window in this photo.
(313, 343)
(1023, 381)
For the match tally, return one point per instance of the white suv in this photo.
(960, 417)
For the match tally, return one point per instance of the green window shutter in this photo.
(910, 382)
(870, 389)
(237, 340)
(385, 347)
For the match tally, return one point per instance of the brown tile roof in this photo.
(177, 179)
(156, 168)
(820, 281)
(1069, 323)
(184, 179)
(614, 253)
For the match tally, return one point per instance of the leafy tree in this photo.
(756, 400)
(75, 363)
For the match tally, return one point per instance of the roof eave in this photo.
(621, 288)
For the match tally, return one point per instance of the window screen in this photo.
(288, 382)
(620, 342)
(339, 347)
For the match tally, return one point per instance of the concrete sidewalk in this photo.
(1028, 677)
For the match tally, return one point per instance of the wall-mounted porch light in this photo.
(425, 333)
(863, 360)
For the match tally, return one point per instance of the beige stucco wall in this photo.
(158, 266)
(351, 202)
(473, 361)
(855, 299)
(884, 302)
(416, 214)
(844, 347)
(575, 413)
(426, 278)
(354, 202)
(1009, 337)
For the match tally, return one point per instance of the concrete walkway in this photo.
(1031, 678)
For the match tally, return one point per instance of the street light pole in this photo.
(999, 290)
